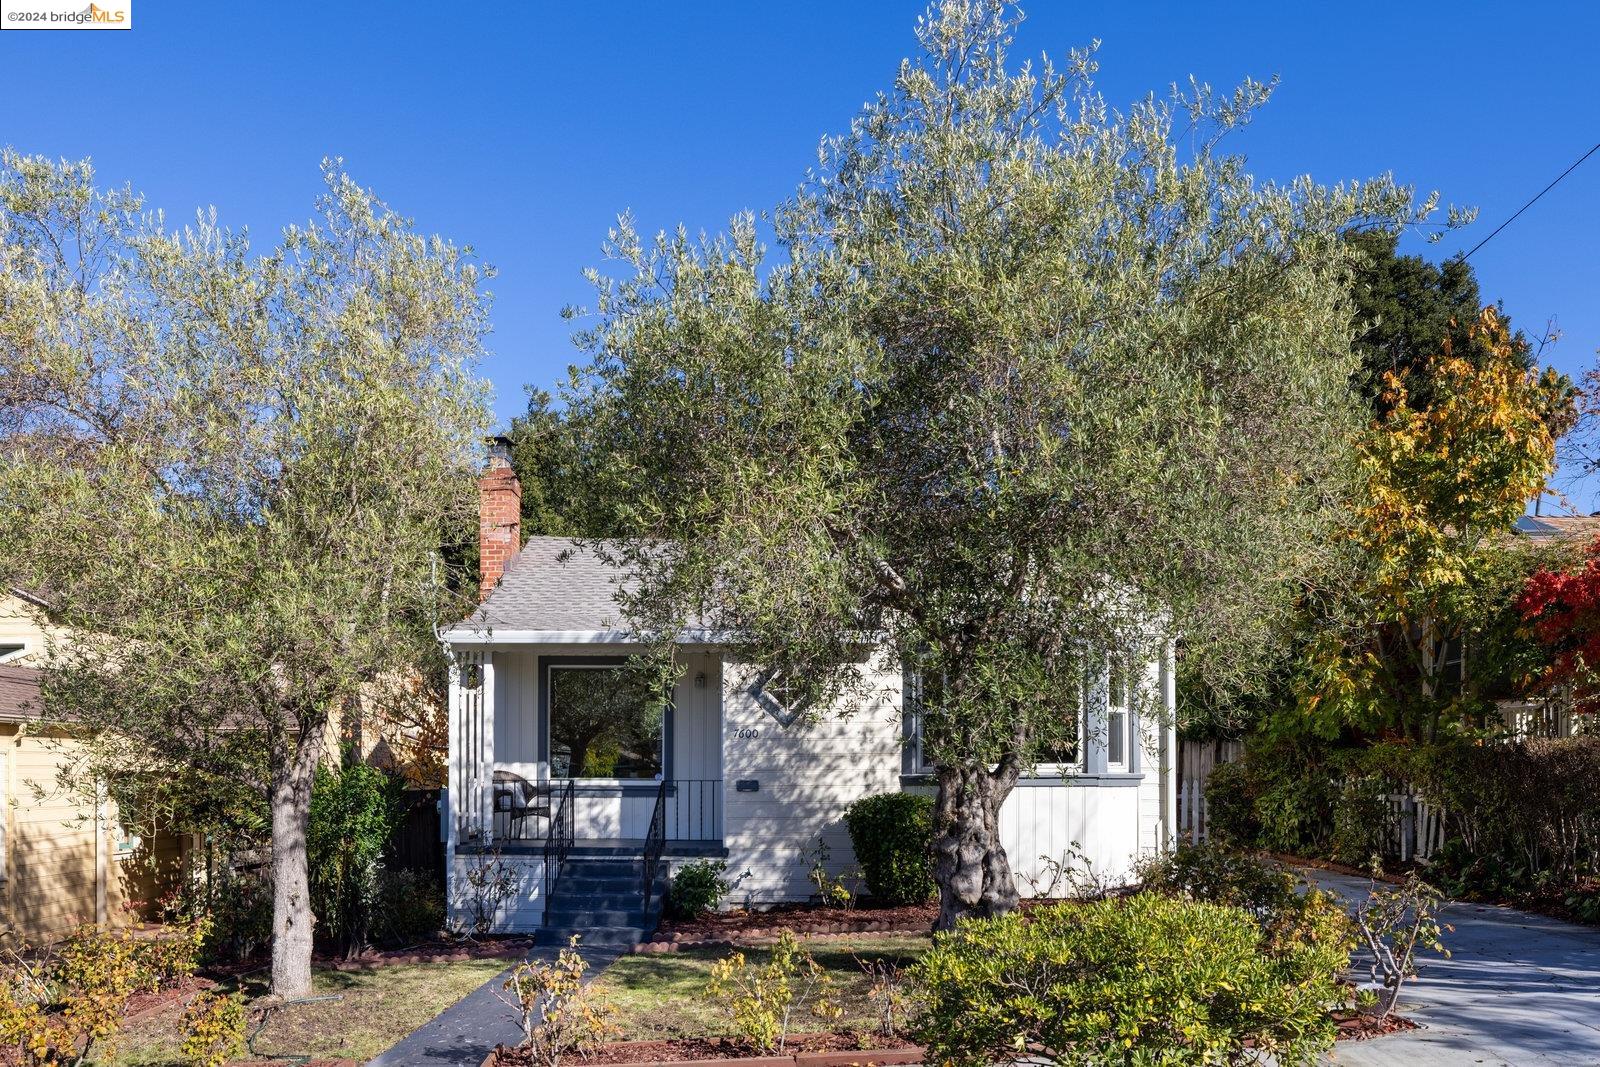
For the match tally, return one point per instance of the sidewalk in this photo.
(467, 1031)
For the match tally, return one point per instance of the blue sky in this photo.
(523, 129)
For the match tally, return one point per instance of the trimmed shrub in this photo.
(1230, 806)
(1298, 921)
(1219, 875)
(1360, 820)
(1148, 979)
(354, 809)
(890, 833)
(240, 913)
(410, 907)
(697, 888)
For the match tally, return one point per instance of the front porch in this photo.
(551, 750)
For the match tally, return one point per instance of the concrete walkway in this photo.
(1519, 989)
(468, 1030)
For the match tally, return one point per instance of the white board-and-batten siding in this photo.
(805, 776)
(520, 911)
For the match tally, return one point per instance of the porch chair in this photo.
(520, 800)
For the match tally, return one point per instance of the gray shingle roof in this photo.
(19, 693)
(1559, 527)
(553, 584)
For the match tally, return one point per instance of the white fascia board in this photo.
(473, 637)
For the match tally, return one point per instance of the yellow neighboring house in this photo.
(23, 628)
(61, 855)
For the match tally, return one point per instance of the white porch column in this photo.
(486, 748)
(466, 745)
(453, 807)
(1169, 744)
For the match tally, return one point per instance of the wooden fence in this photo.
(1192, 826)
(416, 844)
(1416, 828)
(1196, 760)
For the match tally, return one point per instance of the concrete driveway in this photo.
(1519, 989)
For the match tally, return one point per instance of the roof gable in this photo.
(554, 584)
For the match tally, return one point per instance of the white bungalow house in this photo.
(574, 791)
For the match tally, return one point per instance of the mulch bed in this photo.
(144, 1005)
(1551, 903)
(436, 951)
(1354, 1026)
(835, 1049)
(732, 928)
(1336, 868)
(802, 1050)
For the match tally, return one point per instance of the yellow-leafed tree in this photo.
(1445, 474)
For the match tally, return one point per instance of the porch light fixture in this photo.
(700, 680)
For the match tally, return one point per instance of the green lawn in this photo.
(376, 1008)
(665, 996)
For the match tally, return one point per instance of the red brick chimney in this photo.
(499, 516)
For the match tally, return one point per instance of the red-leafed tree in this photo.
(1562, 608)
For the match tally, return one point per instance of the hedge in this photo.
(891, 834)
(1517, 814)
(1146, 979)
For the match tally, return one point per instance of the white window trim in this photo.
(911, 700)
(17, 653)
(1123, 710)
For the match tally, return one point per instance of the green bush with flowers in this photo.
(1150, 979)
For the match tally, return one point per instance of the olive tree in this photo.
(1031, 383)
(230, 473)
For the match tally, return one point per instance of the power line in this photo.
(1535, 200)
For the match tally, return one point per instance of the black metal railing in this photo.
(694, 809)
(558, 843)
(534, 812)
(655, 841)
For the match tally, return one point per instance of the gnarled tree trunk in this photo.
(969, 862)
(291, 889)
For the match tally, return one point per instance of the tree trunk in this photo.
(291, 890)
(969, 863)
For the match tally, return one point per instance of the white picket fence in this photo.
(1192, 824)
(1415, 832)
(1416, 827)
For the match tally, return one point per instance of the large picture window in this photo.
(605, 722)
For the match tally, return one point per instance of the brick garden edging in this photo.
(511, 948)
(767, 935)
(906, 1054)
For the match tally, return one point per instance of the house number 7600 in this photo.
(746, 733)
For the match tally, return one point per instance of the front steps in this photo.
(600, 898)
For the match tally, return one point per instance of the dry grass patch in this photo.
(664, 996)
(376, 1007)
